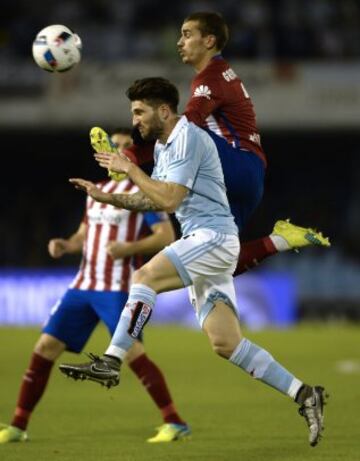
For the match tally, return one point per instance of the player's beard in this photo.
(154, 131)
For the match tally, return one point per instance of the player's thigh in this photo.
(208, 291)
(49, 347)
(159, 273)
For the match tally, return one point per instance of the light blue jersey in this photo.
(190, 158)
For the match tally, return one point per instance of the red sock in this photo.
(153, 380)
(252, 253)
(32, 388)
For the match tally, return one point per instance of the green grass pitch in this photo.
(232, 416)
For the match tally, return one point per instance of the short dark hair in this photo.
(121, 130)
(155, 91)
(211, 23)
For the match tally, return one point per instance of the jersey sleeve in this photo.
(207, 96)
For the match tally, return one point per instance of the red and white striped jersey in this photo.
(105, 223)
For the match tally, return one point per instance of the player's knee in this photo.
(222, 347)
(49, 347)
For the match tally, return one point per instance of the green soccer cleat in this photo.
(12, 434)
(171, 432)
(298, 237)
(101, 142)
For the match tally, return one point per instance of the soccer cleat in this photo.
(297, 236)
(104, 370)
(170, 432)
(101, 142)
(12, 434)
(313, 411)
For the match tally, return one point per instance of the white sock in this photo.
(261, 365)
(279, 242)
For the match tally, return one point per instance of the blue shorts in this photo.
(244, 174)
(74, 317)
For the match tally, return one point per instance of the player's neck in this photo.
(204, 61)
(170, 125)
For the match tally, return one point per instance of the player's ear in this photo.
(164, 111)
(210, 41)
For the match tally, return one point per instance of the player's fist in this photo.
(119, 162)
(57, 247)
(118, 250)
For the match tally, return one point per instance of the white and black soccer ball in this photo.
(56, 48)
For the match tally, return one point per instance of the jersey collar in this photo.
(181, 122)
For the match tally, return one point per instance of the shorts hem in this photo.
(69, 347)
(210, 303)
(179, 266)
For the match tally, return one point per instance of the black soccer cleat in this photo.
(313, 411)
(104, 370)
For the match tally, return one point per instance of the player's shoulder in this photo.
(189, 131)
(214, 69)
(180, 131)
(183, 138)
(199, 139)
(217, 72)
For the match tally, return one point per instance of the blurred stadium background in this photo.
(300, 62)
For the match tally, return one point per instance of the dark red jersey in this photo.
(141, 154)
(220, 102)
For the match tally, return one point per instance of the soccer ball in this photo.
(56, 48)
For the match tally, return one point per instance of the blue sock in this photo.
(134, 316)
(261, 365)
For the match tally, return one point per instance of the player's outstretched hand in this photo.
(114, 162)
(91, 189)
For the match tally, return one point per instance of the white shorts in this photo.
(205, 261)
